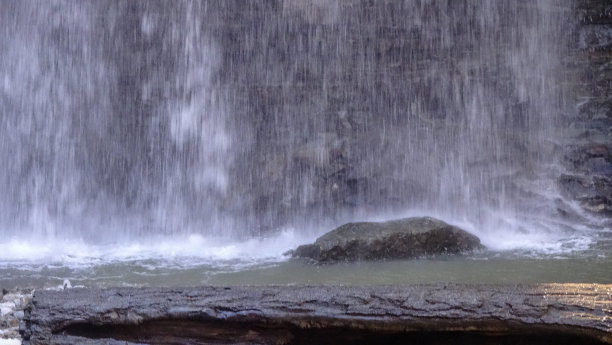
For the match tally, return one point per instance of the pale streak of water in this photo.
(132, 143)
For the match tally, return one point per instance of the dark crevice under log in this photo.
(424, 314)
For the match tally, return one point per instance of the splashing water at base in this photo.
(196, 260)
(177, 250)
(209, 263)
(180, 136)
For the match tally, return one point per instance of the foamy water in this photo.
(185, 251)
(514, 255)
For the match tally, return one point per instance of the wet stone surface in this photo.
(12, 306)
(397, 239)
(427, 314)
(588, 157)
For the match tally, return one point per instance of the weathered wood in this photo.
(441, 313)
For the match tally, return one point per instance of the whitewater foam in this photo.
(183, 252)
(177, 251)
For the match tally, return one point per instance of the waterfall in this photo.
(126, 119)
(111, 121)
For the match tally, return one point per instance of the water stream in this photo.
(163, 142)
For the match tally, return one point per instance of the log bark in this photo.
(433, 314)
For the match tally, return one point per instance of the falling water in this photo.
(113, 121)
(126, 120)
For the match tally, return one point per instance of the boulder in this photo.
(397, 239)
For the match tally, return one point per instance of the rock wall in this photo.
(347, 108)
(589, 151)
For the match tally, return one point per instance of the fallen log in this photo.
(426, 314)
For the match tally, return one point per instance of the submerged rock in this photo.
(397, 239)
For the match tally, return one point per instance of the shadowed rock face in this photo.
(396, 239)
(588, 149)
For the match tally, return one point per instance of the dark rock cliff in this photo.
(588, 157)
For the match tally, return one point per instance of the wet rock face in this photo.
(588, 155)
(590, 180)
(356, 105)
(412, 314)
(397, 239)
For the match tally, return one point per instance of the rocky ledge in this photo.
(425, 314)
(12, 305)
(397, 239)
